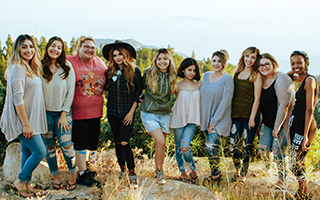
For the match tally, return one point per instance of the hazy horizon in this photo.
(276, 27)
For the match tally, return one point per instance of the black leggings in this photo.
(297, 155)
(122, 133)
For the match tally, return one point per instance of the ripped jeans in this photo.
(278, 145)
(182, 138)
(213, 150)
(65, 143)
(241, 126)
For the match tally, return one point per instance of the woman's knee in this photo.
(124, 143)
(68, 150)
(184, 149)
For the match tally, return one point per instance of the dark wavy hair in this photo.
(185, 64)
(60, 62)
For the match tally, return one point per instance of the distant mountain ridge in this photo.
(133, 42)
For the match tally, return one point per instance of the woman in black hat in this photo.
(124, 86)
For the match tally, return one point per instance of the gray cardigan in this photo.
(216, 101)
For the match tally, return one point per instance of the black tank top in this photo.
(300, 106)
(269, 105)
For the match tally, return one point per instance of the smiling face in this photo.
(27, 50)
(118, 57)
(266, 67)
(163, 62)
(55, 50)
(189, 72)
(87, 50)
(250, 59)
(298, 64)
(216, 64)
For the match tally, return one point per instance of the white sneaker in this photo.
(161, 180)
(122, 175)
(133, 181)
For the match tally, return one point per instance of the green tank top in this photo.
(243, 97)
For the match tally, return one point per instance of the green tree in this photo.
(73, 46)
(8, 49)
(229, 68)
(67, 48)
(2, 69)
(193, 55)
(42, 46)
(206, 65)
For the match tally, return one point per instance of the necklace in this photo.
(91, 73)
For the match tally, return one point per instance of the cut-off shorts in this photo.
(153, 121)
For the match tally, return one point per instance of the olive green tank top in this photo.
(243, 97)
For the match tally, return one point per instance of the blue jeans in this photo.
(278, 145)
(64, 139)
(239, 126)
(182, 138)
(32, 152)
(213, 144)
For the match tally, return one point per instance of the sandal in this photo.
(185, 180)
(21, 193)
(68, 186)
(210, 180)
(37, 190)
(194, 180)
(57, 186)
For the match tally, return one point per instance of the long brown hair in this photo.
(128, 69)
(60, 62)
(242, 65)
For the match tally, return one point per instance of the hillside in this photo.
(133, 42)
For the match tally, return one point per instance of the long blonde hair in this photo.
(128, 69)
(33, 67)
(242, 65)
(154, 72)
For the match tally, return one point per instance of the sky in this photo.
(203, 26)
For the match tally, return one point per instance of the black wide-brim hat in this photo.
(107, 48)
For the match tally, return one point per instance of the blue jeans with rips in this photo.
(182, 138)
(32, 152)
(213, 150)
(268, 142)
(241, 126)
(64, 139)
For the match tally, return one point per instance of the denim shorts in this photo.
(153, 121)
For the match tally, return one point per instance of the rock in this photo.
(149, 189)
(314, 188)
(12, 163)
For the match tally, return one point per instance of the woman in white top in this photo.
(186, 116)
(24, 114)
(58, 84)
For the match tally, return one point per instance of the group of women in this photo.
(222, 105)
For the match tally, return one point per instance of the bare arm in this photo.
(293, 77)
(310, 105)
(256, 102)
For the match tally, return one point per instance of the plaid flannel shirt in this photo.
(126, 98)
